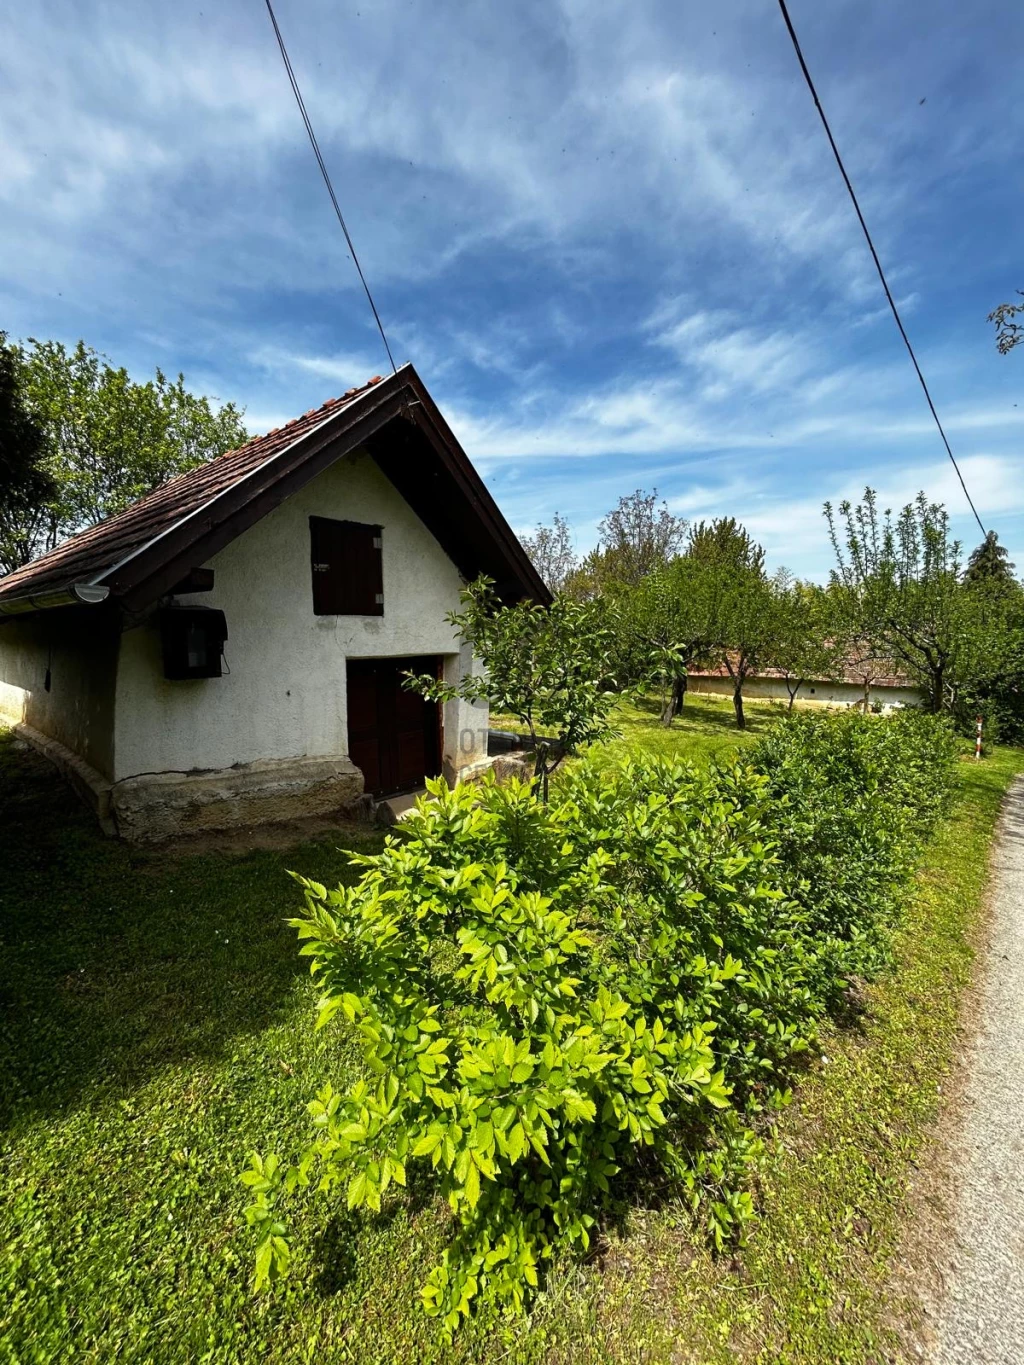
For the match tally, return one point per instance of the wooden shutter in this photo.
(348, 568)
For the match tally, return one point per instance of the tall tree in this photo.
(109, 440)
(743, 600)
(636, 537)
(25, 483)
(553, 553)
(900, 583)
(989, 561)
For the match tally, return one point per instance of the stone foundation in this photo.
(149, 808)
(503, 766)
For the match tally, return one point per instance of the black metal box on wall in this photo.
(193, 642)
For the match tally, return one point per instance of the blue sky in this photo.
(609, 235)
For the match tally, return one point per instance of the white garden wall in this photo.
(821, 693)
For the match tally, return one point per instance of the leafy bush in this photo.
(853, 799)
(557, 1002)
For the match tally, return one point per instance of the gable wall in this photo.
(285, 695)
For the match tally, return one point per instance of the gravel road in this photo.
(979, 1319)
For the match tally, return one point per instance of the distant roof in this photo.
(140, 554)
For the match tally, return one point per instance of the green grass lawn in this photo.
(157, 1026)
(705, 729)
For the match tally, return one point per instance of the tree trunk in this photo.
(540, 772)
(674, 702)
(937, 690)
(737, 701)
(793, 691)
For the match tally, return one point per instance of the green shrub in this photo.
(557, 1004)
(853, 798)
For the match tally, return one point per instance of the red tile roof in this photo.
(95, 551)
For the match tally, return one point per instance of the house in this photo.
(230, 649)
(869, 684)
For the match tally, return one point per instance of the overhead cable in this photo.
(874, 256)
(327, 179)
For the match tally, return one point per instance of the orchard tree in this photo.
(866, 663)
(990, 680)
(900, 582)
(802, 647)
(108, 439)
(549, 667)
(553, 553)
(666, 626)
(25, 484)
(740, 597)
(750, 629)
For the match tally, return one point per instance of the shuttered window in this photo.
(348, 568)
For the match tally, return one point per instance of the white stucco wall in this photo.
(79, 646)
(285, 695)
(820, 693)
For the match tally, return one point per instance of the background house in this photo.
(230, 649)
(859, 686)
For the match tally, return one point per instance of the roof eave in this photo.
(75, 594)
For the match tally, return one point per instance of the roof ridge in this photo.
(327, 404)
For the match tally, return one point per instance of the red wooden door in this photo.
(393, 734)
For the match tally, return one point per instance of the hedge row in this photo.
(559, 1004)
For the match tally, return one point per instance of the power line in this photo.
(327, 179)
(874, 254)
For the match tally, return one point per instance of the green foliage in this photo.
(548, 667)
(898, 586)
(557, 1003)
(24, 483)
(712, 604)
(1008, 333)
(132, 1085)
(991, 675)
(854, 797)
(989, 562)
(803, 644)
(553, 553)
(108, 439)
(638, 537)
(747, 602)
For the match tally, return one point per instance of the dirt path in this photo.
(976, 1315)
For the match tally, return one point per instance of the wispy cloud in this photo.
(611, 237)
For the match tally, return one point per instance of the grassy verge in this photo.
(157, 1026)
